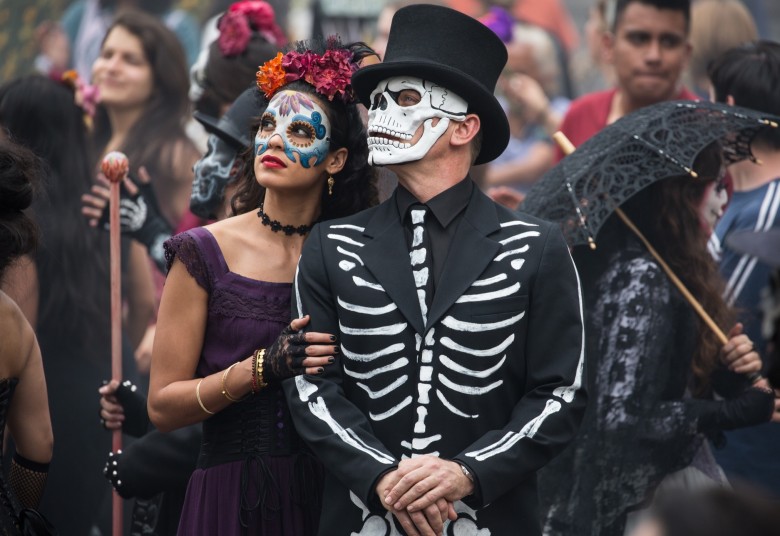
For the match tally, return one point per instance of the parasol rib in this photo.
(568, 147)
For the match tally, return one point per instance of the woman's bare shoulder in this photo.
(16, 334)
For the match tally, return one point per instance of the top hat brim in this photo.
(493, 121)
(764, 245)
(223, 128)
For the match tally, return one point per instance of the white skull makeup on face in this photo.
(213, 173)
(392, 124)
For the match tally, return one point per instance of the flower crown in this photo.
(329, 73)
(238, 22)
(85, 96)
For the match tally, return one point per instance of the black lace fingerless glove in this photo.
(284, 358)
(28, 479)
(752, 406)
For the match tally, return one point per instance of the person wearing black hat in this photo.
(460, 370)
(228, 138)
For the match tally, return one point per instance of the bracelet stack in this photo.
(258, 380)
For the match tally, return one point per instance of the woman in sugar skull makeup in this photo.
(218, 355)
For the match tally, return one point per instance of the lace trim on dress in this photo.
(187, 248)
(230, 302)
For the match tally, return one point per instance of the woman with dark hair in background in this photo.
(23, 403)
(227, 297)
(65, 292)
(143, 83)
(653, 366)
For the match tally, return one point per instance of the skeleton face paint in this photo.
(213, 173)
(302, 125)
(392, 124)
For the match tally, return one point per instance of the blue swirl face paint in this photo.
(302, 125)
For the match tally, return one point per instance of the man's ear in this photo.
(465, 130)
(336, 161)
(730, 100)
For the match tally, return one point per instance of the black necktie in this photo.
(420, 255)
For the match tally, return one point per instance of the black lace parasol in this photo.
(653, 143)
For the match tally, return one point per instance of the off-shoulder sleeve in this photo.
(188, 249)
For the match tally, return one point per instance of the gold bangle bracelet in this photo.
(225, 391)
(197, 395)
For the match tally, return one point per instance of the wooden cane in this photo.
(568, 147)
(115, 167)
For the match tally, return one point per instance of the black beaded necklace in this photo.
(276, 226)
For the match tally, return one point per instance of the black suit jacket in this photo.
(493, 380)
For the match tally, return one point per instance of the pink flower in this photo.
(331, 74)
(297, 65)
(90, 96)
(234, 33)
(260, 14)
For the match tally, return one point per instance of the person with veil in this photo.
(654, 365)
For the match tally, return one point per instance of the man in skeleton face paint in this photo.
(228, 138)
(460, 322)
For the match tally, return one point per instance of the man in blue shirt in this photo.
(749, 76)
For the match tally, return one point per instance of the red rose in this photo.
(260, 14)
(297, 65)
(331, 74)
(234, 33)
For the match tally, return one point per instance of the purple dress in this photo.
(254, 475)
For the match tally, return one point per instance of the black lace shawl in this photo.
(639, 426)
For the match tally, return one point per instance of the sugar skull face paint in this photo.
(302, 125)
(213, 173)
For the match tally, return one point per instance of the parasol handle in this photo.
(564, 143)
(568, 147)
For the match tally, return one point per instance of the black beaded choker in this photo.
(276, 226)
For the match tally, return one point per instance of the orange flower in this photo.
(70, 77)
(270, 77)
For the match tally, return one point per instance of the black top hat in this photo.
(236, 123)
(452, 49)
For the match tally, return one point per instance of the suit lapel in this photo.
(386, 256)
(470, 252)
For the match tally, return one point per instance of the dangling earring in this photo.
(331, 182)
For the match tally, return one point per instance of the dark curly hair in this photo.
(20, 175)
(355, 186)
